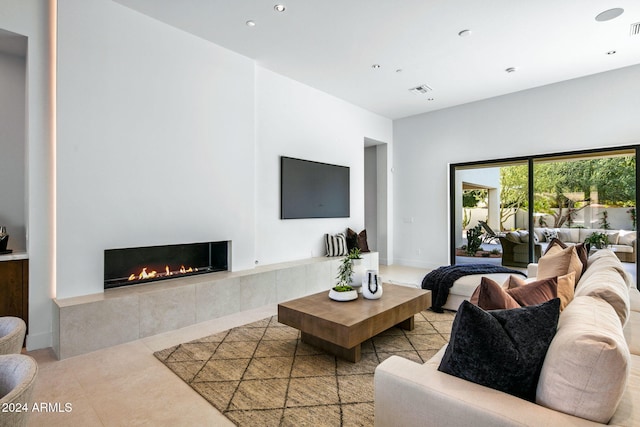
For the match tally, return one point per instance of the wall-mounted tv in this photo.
(313, 190)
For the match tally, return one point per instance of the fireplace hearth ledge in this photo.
(91, 322)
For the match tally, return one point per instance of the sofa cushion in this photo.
(549, 234)
(606, 278)
(490, 296)
(558, 262)
(587, 365)
(514, 293)
(611, 288)
(622, 248)
(627, 237)
(564, 235)
(582, 250)
(336, 245)
(501, 349)
(532, 293)
(513, 236)
(357, 240)
(565, 287)
(631, 335)
(466, 285)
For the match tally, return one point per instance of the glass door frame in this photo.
(453, 167)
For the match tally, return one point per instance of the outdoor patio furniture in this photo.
(515, 252)
(490, 236)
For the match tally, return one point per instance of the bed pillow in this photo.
(501, 349)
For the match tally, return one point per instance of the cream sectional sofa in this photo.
(591, 369)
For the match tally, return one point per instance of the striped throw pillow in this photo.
(336, 245)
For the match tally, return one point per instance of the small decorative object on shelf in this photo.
(4, 239)
(343, 293)
(371, 285)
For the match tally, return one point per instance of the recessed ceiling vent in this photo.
(635, 29)
(422, 89)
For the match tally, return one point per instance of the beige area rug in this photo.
(261, 374)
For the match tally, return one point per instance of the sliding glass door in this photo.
(506, 211)
(489, 199)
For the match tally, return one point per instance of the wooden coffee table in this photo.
(340, 327)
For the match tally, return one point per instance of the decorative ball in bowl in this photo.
(343, 293)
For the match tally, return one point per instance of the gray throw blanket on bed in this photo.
(441, 279)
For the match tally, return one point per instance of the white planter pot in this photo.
(343, 296)
(358, 274)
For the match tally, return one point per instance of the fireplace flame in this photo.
(144, 274)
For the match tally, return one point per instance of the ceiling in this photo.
(331, 45)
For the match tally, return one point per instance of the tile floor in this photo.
(126, 385)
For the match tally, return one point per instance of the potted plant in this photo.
(346, 278)
(598, 240)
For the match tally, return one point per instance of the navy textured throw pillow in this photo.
(501, 349)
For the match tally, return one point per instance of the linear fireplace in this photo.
(130, 266)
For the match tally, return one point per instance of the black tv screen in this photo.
(313, 190)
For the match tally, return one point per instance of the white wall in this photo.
(31, 18)
(155, 141)
(590, 112)
(371, 196)
(13, 168)
(298, 121)
(166, 138)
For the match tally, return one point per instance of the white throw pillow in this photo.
(627, 237)
(336, 245)
(550, 234)
(587, 365)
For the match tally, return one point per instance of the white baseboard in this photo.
(38, 341)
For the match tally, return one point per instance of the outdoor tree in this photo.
(471, 199)
(563, 188)
(513, 191)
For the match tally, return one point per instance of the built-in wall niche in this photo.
(13, 158)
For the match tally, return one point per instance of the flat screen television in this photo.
(313, 190)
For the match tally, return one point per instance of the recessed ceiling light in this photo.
(279, 8)
(610, 14)
(250, 23)
(611, 52)
(464, 33)
(511, 70)
(375, 66)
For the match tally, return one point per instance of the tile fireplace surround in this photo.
(92, 322)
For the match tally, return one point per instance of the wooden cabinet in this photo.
(14, 289)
